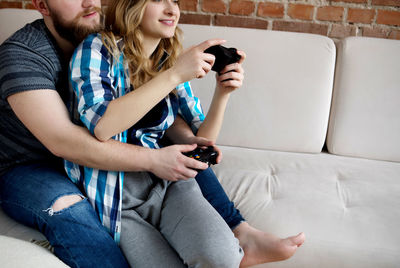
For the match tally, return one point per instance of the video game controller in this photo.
(223, 56)
(207, 155)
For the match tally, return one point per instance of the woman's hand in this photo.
(194, 63)
(231, 77)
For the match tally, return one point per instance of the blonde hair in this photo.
(123, 18)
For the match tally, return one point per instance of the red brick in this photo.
(302, 27)
(395, 3)
(375, 32)
(275, 10)
(195, 19)
(341, 31)
(29, 6)
(388, 17)
(215, 6)
(241, 7)
(352, 1)
(395, 34)
(360, 15)
(232, 21)
(188, 5)
(330, 13)
(4, 4)
(299, 11)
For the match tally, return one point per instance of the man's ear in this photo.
(42, 7)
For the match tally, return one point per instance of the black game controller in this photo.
(207, 155)
(223, 56)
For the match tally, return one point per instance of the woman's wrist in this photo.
(174, 76)
(221, 95)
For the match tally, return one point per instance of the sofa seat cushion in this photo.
(349, 208)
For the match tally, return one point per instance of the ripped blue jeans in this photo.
(27, 194)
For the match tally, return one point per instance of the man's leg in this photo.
(42, 197)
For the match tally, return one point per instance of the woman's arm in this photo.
(231, 79)
(125, 111)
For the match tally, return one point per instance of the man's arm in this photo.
(45, 115)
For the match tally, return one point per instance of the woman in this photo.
(131, 84)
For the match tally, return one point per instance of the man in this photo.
(35, 127)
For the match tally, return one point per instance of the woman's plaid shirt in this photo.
(96, 79)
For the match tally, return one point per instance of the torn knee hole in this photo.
(64, 202)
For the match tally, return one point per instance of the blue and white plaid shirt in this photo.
(96, 79)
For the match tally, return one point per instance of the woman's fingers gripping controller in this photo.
(208, 58)
(194, 63)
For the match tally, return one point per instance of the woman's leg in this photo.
(259, 247)
(144, 246)
(195, 230)
(31, 194)
(141, 241)
(212, 190)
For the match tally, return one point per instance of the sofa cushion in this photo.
(10, 227)
(15, 253)
(365, 117)
(285, 100)
(349, 208)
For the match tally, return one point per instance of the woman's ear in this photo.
(41, 6)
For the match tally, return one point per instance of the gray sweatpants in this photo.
(170, 224)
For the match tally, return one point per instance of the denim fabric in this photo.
(79, 240)
(214, 193)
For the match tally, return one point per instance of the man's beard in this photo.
(73, 31)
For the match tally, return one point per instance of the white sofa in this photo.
(311, 143)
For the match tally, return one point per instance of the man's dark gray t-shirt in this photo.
(29, 60)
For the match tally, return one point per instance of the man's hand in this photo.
(180, 133)
(169, 163)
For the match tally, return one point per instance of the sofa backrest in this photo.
(285, 100)
(11, 19)
(365, 117)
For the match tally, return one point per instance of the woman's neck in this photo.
(150, 45)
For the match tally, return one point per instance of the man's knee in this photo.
(66, 201)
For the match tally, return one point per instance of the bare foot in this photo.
(260, 247)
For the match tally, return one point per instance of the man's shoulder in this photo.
(32, 43)
(28, 60)
(33, 35)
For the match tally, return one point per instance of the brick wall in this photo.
(333, 18)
